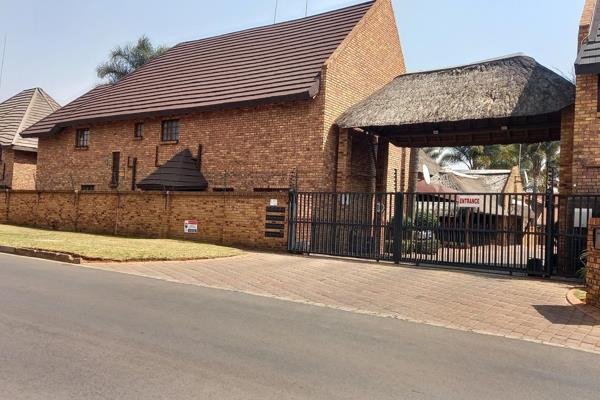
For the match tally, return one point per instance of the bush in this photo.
(407, 246)
(427, 247)
(426, 220)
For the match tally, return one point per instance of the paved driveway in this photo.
(519, 308)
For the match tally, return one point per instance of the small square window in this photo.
(170, 130)
(138, 132)
(82, 139)
(88, 188)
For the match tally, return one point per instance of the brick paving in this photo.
(518, 308)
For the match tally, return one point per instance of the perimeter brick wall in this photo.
(229, 219)
(593, 267)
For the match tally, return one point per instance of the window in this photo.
(82, 139)
(87, 188)
(138, 131)
(222, 189)
(170, 130)
(116, 164)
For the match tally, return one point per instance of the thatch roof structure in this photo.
(512, 86)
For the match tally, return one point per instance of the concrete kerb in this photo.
(589, 310)
(44, 254)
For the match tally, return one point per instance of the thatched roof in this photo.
(512, 86)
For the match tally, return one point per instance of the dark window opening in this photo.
(138, 131)
(82, 139)
(116, 161)
(88, 188)
(170, 130)
(222, 190)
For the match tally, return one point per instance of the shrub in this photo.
(427, 247)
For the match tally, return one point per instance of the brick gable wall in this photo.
(368, 59)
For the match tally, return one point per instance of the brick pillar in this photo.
(566, 150)
(586, 137)
(343, 160)
(593, 266)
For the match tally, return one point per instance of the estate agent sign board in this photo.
(190, 226)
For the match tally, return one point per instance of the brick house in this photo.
(18, 155)
(254, 109)
(580, 159)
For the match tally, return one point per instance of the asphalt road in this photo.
(74, 333)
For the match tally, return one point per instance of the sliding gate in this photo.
(502, 232)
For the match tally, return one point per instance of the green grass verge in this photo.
(104, 247)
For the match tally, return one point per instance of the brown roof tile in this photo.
(271, 63)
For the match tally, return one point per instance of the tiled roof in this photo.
(20, 112)
(588, 59)
(271, 63)
(181, 173)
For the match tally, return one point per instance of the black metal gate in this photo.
(517, 232)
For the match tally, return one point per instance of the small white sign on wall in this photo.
(190, 226)
(273, 203)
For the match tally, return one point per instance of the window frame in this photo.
(169, 130)
(115, 169)
(138, 130)
(88, 188)
(82, 138)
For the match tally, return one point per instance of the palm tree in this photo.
(535, 159)
(473, 157)
(538, 159)
(124, 60)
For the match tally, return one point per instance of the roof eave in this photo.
(587, 69)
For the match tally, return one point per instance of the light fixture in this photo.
(436, 132)
(504, 128)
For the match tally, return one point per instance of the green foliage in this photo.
(582, 273)
(124, 60)
(430, 246)
(535, 159)
(426, 220)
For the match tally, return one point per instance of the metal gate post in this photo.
(397, 226)
(548, 267)
(292, 209)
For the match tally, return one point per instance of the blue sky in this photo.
(57, 44)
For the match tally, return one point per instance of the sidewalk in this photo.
(519, 308)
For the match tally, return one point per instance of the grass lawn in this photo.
(102, 247)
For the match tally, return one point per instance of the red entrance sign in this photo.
(469, 201)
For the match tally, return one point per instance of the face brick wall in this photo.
(258, 147)
(368, 59)
(231, 219)
(580, 153)
(19, 169)
(585, 174)
(593, 267)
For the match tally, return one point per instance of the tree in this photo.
(473, 157)
(124, 60)
(534, 159)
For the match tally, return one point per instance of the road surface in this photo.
(68, 332)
